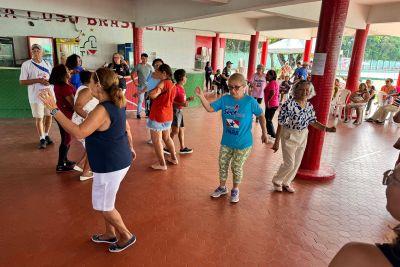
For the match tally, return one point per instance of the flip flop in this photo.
(116, 248)
(96, 239)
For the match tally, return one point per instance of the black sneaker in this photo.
(186, 151)
(166, 151)
(42, 144)
(138, 117)
(48, 140)
(64, 168)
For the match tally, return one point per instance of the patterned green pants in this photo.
(234, 157)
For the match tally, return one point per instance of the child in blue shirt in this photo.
(237, 111)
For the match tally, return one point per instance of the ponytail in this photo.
(110, 83)
(118, 97)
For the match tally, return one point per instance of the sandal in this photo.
(116, 248)
(96, 239)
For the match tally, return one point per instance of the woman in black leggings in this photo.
(208, 71)
(271, 98)
(64, 93)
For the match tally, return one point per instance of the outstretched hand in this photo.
(47, 98)
(198, 91)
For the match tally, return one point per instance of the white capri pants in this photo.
(293, 144)
(105, 187)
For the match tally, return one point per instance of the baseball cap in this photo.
(260, 66)
(229, 62)
(36, 46)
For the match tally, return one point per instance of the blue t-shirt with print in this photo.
(237, 116)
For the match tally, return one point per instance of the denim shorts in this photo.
(158, 126)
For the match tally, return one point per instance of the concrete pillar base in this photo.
(324, 173)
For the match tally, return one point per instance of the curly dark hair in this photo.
(58, 75)
(72, 61)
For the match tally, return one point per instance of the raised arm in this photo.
(199, 92)
(83, 97)
(97, 119)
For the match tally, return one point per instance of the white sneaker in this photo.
(289, 188)
(277, 187)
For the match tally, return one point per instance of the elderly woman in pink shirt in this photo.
(271, 99)
(258, 83)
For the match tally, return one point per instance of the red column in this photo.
(264, 53)
(307, 51)
(357, 57)
(138, 44)
(251, 68)
(398, 80)
(214, 52)
(329, 39)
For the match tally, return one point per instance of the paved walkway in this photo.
(47, 218)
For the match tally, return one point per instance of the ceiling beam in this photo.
(221, 24)
(167, 12)
(356, 19)
(384, 13)
(280, 23)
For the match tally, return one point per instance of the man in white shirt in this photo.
(35, 73)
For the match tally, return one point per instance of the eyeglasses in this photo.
(236, 87)
(389, 177)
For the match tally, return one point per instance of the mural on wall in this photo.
(94, 39)
(88, 46)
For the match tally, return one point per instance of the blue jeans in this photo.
(140, 101)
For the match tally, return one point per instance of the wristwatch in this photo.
(54, 111)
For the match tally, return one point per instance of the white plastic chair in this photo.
(381, 96)
(341, 102)
(391, 114)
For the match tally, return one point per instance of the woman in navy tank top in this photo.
(108, 151)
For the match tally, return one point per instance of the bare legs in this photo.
(181, 135)
(157, 138)
(115, 227)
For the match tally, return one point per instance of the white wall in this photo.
(177, 48)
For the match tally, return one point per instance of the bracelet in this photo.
(54, 111)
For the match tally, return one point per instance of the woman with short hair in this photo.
(121, 68)
(108, 151)
(237, 110)
(295, 116)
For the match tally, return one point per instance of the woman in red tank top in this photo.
(161, 116)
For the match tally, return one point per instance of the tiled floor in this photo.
(47, 219)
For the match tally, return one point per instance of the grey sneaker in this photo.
(235, 195)
(219, 192)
